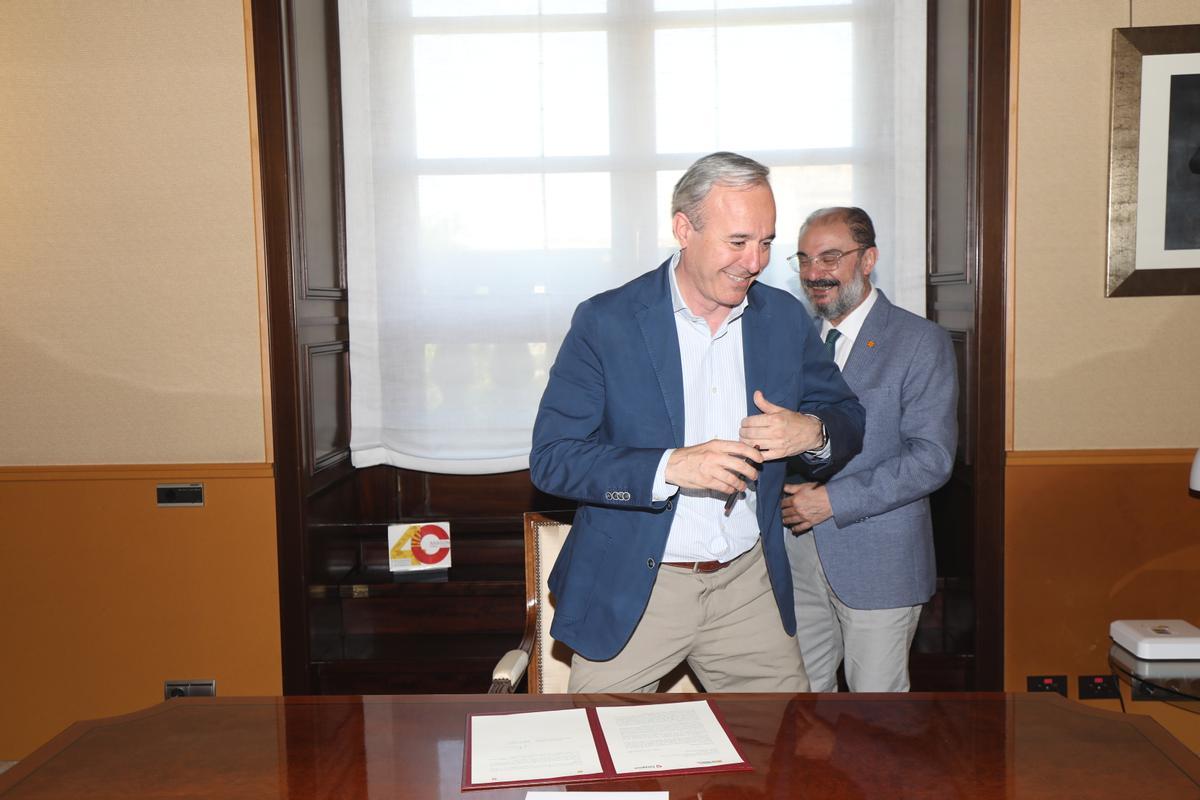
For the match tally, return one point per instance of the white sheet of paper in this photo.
(597, 795)
(532, 746)
(665, 736)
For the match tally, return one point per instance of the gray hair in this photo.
(725, 169)
(862, 230)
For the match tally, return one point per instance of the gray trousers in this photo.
(873, 642)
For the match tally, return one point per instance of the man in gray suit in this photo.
(861, 548)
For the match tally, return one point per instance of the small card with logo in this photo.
(416, 546)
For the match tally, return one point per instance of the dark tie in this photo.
(831, 341)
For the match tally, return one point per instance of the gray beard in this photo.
(848, 296)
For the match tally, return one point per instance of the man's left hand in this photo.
(805, 505)
(779, 432)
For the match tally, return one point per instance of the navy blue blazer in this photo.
(614, 403)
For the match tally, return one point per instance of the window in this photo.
(507, 159)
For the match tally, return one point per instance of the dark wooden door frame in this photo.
(279, 245)
(990, 243)
(306, 304)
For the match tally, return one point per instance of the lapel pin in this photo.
(870, 342)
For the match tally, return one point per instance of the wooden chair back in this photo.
(550, 660)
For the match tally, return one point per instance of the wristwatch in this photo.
(824, 435)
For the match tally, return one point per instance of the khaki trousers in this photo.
(725, 624)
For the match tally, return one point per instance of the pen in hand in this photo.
(729, 501)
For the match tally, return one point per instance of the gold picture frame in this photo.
(1153, 195)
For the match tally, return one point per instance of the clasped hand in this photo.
(779, 432)
(719, 465)
(726, 467)
(805, 505)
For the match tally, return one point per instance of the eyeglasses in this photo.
(827, 261)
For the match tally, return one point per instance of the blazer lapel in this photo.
(757, 363)
(656, 318)
(870, 335)
(755, 349)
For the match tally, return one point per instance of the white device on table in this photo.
(1154, 670)
(1157, 639)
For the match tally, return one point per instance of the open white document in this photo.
(596, 744)
(517, 748)
(666, 736)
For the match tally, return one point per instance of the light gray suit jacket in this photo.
(877, 549)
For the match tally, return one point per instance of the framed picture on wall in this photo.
(1154, 162)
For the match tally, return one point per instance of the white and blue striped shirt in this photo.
(714, 402)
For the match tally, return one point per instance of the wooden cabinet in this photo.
(372, 631)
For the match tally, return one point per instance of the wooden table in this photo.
(811, 746)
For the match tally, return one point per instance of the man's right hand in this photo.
(719, 465)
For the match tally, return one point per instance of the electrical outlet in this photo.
(1143, 690)
(1098, 687)
(172, 689)
(1046, 683)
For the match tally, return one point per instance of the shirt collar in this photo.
(852, 324)
(680, 307)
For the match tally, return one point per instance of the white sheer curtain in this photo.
(506, 159)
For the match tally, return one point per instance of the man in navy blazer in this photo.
(867, 564)
(668, 416)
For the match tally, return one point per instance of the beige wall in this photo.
(1106, 403)
(129, 324)
(1090, 372)
(129, 335)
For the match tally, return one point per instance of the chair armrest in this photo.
(511, 666)
(508, 672)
